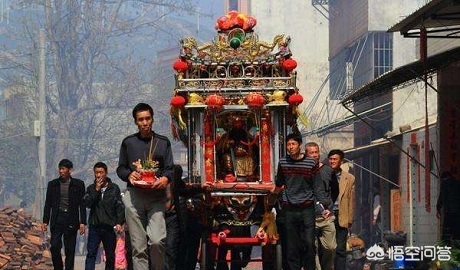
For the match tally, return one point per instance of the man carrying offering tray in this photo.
(145, 199)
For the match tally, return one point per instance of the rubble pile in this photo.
(22, 243)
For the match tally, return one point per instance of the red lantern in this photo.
(180, 66)
(177, 101)
(215, 101)
(289, 64)
(255, 100)
(295, 99)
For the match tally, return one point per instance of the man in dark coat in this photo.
(449, 202)
(65, 211)
(106, 217)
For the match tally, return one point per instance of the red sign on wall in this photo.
(395, 211)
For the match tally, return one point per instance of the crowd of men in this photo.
(314, 205)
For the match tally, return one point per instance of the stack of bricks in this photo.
(22, 243)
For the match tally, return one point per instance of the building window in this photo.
(383, 53)
(368, 57)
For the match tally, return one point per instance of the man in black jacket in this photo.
(65, 211)
(173, 226)
(324, 222)
(190, 211)
(449, 202)
(106, 217)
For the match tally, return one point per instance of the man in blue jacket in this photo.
(106, 217)
(65, 211)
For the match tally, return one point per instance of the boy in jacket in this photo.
(106, 217)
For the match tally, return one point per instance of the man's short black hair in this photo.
(65, 163)
(336, 152)
(294, 136)
(100, 165)
(140, 107)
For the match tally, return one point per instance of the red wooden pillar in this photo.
(265, 149)
(208, 148)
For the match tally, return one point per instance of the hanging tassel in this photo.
(300, 116)
(174, 131)
(303, 118)
(177, 115)
(182, 123)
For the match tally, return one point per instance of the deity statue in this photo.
(238, 152)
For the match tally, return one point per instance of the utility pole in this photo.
(40, 127)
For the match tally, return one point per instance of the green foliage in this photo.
(454, 261)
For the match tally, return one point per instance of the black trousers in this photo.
(341, 235)
(62, 230)
(192, 233)
(300, 237)
(449, 230)
(173, 237)
(281, 224)
(129, 251)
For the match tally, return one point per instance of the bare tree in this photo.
(18, 147)
(99, 65)
(89, 45)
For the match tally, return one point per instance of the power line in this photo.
(14, 136)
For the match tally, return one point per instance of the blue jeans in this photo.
(107, 236)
